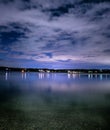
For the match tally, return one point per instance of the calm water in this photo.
(35, 101)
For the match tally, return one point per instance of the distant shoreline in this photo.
(46, 70)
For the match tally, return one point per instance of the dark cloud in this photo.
(107, 51)
(6, 1)
(48, 54)
(102, 11)
(11, 33)
(10, 37)
(94, 1)
(60, 10)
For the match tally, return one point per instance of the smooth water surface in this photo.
(54, 101)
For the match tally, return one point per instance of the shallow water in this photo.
(55, 101)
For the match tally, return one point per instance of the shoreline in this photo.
(46, 70)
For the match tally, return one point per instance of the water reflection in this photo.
(101, 76)
(89, 76)
(69, 76)
(96, 76)
(55, 76)
(59, 82)
(24, 75)
(41, 75)
(6, 76)
(74, 76)
(47, 75)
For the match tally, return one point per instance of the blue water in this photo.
(54, 101)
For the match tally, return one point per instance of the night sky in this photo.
(55, 33)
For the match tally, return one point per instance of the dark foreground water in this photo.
(35, 101)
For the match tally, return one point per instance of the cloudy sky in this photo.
(55, 33)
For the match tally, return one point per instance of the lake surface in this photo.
(54, 101)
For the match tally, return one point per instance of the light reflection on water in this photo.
(69, 76)
(59, 81)
(6, 76)
(57, 99)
